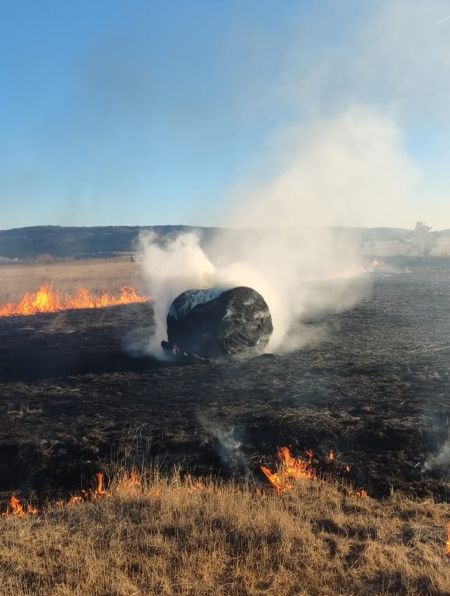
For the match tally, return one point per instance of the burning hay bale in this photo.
(213, 323)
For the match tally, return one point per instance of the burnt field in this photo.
(376, 390)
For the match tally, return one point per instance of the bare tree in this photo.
(423, 239)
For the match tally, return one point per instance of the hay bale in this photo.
(216, 322)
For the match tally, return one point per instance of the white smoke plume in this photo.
(439, 461)
(179, 265)
(345, 171)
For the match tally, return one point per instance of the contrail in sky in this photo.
(436, 23)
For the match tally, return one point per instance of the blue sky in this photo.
(152, 112)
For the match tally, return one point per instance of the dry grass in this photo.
(171, 538)
(106, 275)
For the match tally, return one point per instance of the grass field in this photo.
(172, 537)
(97, 275)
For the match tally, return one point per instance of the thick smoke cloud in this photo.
(343, 171)
(346, 162)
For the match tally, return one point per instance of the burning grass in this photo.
(98, 275)
(48, 300)
(289, 470)
(171, 536)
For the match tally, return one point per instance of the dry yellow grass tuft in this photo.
(166, 536)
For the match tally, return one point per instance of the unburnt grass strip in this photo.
(174, 536)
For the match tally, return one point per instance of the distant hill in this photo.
(78, 243)
(57, 242)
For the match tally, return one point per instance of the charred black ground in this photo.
(376, 390)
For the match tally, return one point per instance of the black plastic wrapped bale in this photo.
(215, 322)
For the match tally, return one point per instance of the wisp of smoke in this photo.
(228, 444)
(439, 461)
(284, 242)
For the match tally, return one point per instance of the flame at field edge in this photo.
(48, 300)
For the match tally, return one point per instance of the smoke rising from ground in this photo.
(344, 171)
(439, 461)
(228, 442)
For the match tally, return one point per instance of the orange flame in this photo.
(17, 509)
(289, 469)
(100, 489)
(447, 544)
(46, 300)
(76, 499)
(129, 483)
